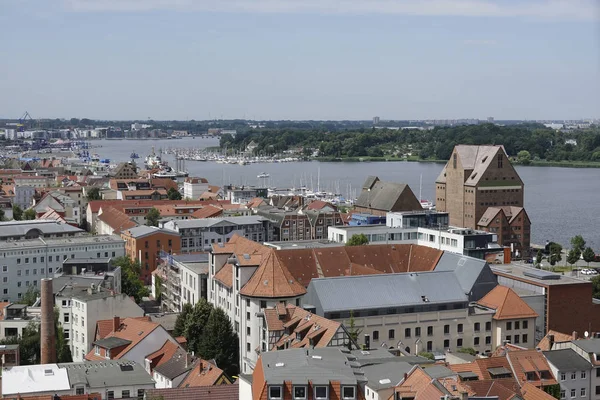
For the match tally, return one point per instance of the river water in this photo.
(561, 202)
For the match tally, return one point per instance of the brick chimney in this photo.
(47, 334)
(116, 323)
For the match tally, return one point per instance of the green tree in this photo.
(63, 350)
(17, 213)
(358, 240)
(588, 255)
(353, 330)
(538, 257)
(573, 256)
(467, 350)
(30, 296)
(578, 243)
(181, 320)
(131, 284)
(94, 194)
(195, 323)
(152, 217)
(524, 157)
(596, 287)
(29, 214)
(220, 342)
(555, 251)
(427, 355)
(174, 194)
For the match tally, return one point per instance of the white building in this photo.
(573, 373)
(80, 308)
(194, 187)
(31, 180)
(119, 379)
(24, 196)
(23, 263)
(589, 350)
(183, 280)
(13, 319)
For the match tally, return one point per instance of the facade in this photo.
(511, 224)
(302, 224)
(475, 178)
(62, 204)
(24, 196)
(25, 262)
(80, 309)
(589, 350)
(198, 235)
(144, 244)
(573, 373)
(183, 279)
(112, 379)
(243, 194)
(194, 187)
(13, 319)
(31, 180)
(378, 198)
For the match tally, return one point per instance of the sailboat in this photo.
(426, 204)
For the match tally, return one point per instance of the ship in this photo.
(263, 175)
(154, 161)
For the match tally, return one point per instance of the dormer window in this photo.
(321, 392)
(348, 392)
(275, 393)
(299, 392)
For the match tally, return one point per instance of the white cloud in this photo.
(558, 9)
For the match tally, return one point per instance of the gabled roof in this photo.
(507, 303)
(509, 212)
(319, 205)
(474, 159)
(558, 337)
(385, 196)
(104, 327)
(225, 275)
(272, 279)
(482, 366)
(204, 373)
(141, 231)
(162, 355)
(131, 329)
(530, 392)
(180, 363)
(116, 219)
(209, 211)
(526, 361)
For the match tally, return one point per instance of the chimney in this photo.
(575, 336)
(464, 395)
(551, 340)
(116, 323)
(47, 334)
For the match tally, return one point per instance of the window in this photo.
(509, 326)
(391, 334)
(573, 375)
(446, 330)
(321, 392)
(110, 395)
(446, 343)
(517, 325)
(125, 394)
(418, 333)
(248, 315)
(430, 331)
(500, 159)
(563, 376)
(407, 332)
(140, 394)
(488, 340)
(454, 159)
(516, 339)
(5, 268)
(563, 394)
(348, 392)
(459, 342)
(476, 341)
(459, 328)
(525, 324)
(508, 338)
(248, 347)
(598, 387)
(375, 335)
(573, 392)
(299, 392)
(477, 327)
(583, 374)
(524, 338)
(66, 317)
(263, 304)
(488, 326)
(582, 392)
(248, 330)
(429, 345)
(79, 390)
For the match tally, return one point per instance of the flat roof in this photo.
(35, 243)
(302, 244)
(34, 378)
(21, 228)
(529, 274)
(209, 222)
(77, 261)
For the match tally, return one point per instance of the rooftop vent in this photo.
(48, 372)
(246, 256)
(364, 353)
(280, 364)
(385, 381)
(425, 299)
(317, 357)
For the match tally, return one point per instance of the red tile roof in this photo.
(131, 329)
(162, 355)
(208, 212)
(507, 303)
(531, 361)
(116, 219)
(204, 373)
(544, 344)
(272, 279)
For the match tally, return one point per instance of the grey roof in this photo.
(386, 375)
(385, 290)
(179, 364)
(21, 228)
(567, 360)
(320, 366)
(588, 345)
(382, 195)
(474, 275)
(78, 261)
(209, 222)
(36, 243)
(196, 257)
(166, 320)
(112, 342)
(100, 374)
(499, 371)
(438, 371)
(143, 230)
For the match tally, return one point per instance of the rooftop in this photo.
(143, 230)
(536, 276)
(588, 345)
(84, 239)
(210, 222)
(220, 392)
(567, 360)
(100, 374)
(34, 378)
(46, 227)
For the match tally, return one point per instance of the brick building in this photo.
(144, 243)
(510, 223)
(474, 179)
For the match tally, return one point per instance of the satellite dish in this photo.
(586, 334)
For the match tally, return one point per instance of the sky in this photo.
(300, 59)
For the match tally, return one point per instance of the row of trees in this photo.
(209, 335)
(534, 140)
(19, 214)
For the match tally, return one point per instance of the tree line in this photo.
(539, 142)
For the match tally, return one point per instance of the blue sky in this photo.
(300, 59)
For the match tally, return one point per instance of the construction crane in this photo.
(21, 124)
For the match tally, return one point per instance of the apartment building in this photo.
(573, 373)
(475, 178)
(183, 280)
(27, 261)
(111, 379)
(198, 235)
(80, 308)
(144, 244)
(511, 224)
(194, 187)
(588, 350)
(62, 204)
(305, 224)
